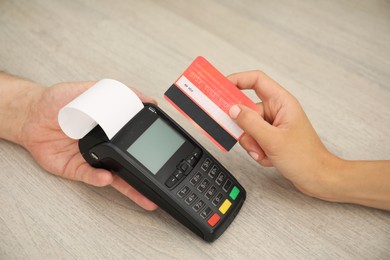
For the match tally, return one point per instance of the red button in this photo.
(214, 219)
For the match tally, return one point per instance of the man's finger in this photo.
(124, 188)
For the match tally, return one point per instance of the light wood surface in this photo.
(334, 56)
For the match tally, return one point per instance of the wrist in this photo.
(361, 182)
(325, 182)
(18, 97)
(332, 178)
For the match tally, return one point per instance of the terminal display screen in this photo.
(156, 145)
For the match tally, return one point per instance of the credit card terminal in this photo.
(163, 162)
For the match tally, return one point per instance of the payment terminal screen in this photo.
(156, 145)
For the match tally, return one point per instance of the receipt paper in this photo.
(108, 103)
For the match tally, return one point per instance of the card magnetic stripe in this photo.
(200, 117)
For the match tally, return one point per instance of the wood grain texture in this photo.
(332, 55)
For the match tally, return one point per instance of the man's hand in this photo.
(39, 132)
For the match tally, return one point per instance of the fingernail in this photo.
(234, 111)
(254, 155)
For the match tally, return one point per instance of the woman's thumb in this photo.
(252, 123)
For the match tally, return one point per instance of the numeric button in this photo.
(213, 171)
(217, 199)
(203, 185)
(210, 193)
(190, 199)
(196, 178)
(220, 179)
(199, 205)
(206, 164)
(183, 192)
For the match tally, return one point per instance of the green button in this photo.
(234, 193)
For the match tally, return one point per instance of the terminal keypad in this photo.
(209, 191)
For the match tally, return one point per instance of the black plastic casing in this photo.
(100, 152)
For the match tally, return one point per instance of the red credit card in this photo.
(204, 96)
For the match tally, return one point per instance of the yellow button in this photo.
(225, 206)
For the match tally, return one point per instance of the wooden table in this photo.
(334, 56)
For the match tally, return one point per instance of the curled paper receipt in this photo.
(108, 103)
